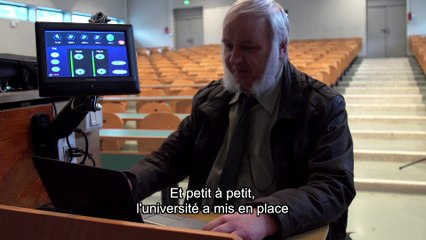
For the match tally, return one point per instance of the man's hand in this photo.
(246, 226)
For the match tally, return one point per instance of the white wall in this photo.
(213, 27)
(313, 19)
(149, 18)
(418, 24)
(213, 14)
(18, 37)
(309, 19)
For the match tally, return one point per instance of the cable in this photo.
(5, 87)
(55, 110)
(72, 151)
(86, 141)
(86, 152)
(77, 152)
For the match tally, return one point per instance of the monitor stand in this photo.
(46, 133)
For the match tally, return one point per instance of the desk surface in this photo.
(145, 98)
(316, 234)
(43, 225)
(132, 134)
(24, 223)
(139, 116)
(173, 85)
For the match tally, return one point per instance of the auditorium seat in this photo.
(149, 92)
(418, 48)
(113, 107)
(180, 106)
(111, 120)
(154, 107)
(159, 121)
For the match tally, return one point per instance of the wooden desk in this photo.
(151, 139)
(18, 223)
(173, 86)
(19, 181)
(146, 98)
(139, 116)
(316, 234)
(23, 223)
(132, 134)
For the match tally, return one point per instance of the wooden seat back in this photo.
(160, 121)
(154, 107)
(111, 120)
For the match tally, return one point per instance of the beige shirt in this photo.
(257, 168)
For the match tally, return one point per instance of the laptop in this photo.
(98, 192)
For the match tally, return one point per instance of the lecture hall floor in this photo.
(390, 202)
(383, 210)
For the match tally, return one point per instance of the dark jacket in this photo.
(311, 148)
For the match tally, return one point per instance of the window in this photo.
(26, 12)
(115, 21)
(80, 18)
(13, 12)
(46, 15)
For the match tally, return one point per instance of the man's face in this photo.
(247, 46)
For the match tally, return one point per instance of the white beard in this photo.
(267, 80)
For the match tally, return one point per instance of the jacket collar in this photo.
(216, 106)
(291, 102)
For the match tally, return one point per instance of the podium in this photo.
(17, 223)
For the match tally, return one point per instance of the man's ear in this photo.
(282, 49)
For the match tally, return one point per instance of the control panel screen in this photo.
(86, 54)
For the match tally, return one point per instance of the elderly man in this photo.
(266, 127)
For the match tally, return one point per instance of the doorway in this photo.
(188, 27)
(386, 29)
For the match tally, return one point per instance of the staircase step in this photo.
(386, 105)
(375, 77)
(389, 185)
(403, 157)
(382, 90)
(362, 109)
(385, 99)
(389, 140)
(386, 60)
(369, 83)
(385, 71)
(386, 176)
(387, 123)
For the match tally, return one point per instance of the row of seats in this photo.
(153, 121)
(418, 48)
(325, 60)
(185, 66)
(172, 106)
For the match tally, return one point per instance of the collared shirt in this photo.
(257, 168)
